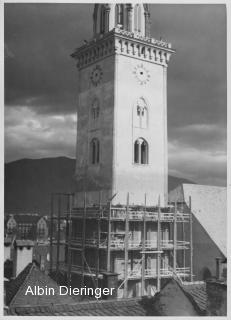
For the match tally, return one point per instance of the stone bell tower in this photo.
(122, 109)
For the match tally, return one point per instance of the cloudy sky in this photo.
(41, 81)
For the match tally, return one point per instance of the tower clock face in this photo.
(141, 74)
(96, 75)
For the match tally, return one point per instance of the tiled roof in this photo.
(209, 206)
(32, 276)
(181, 299)
(14, 285)
(198, 293)
(125, 307)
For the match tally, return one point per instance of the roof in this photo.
(181, 299)
(32, 276)
(45, 305)
(123, 307)
(27, 218)
(24, 243)
(197, 290)
(209, 206)
(8, 240)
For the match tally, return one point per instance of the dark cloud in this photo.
(41, 38)
(41, 82)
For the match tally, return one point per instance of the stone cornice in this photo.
(126, 43)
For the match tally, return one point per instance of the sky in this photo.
(41, 81)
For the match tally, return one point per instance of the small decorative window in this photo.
(141, 114)
(95, 109)
(94, 150)
(141, 151)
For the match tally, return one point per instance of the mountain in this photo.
(29, 183)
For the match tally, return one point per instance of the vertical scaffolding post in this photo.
(183, 236)
(67, 229)
(58, 235)
(51, 232)
(174, 237)
(126, 250)
(69, 225)
(158, 246)
(191, 239)
(109, 239)
(83, 238)
(143, 248)
(98, 241)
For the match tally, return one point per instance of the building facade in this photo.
(27, 226)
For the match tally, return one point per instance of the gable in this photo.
(32, 276)
(209, 206)
(172, 301)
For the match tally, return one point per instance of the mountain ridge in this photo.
(29, 183)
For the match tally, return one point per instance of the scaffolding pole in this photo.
(143, 249)
(109, 240)
(191, 240)
(126, 250)
(69, 226)
(158, 246)
(183, 235)
(98, 240)
(83, 239)
(51, 232)
(58, 235)
(174, 237)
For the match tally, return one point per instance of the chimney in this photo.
(110, 280)
(219, 268)
(22, 255)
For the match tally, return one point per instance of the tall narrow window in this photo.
(136, 152)
(94, 148)
(141, 151)
(119, 14)
(137, 18)
(102, 20)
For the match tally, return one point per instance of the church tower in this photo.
(122, 109)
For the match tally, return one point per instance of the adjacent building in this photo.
(209, 225)
(27, 226)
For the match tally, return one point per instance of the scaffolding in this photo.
(105, 242)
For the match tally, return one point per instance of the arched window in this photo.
(119, 14)
(141, 114)
(102, 20)
(94, 149)
(137, 18)
(141, 151)
(95, 110)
